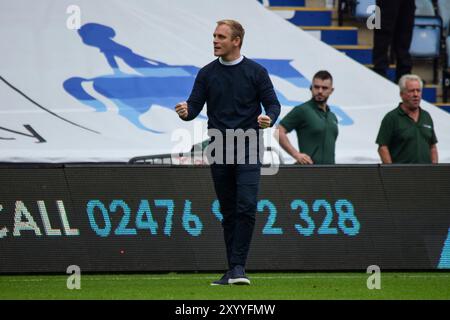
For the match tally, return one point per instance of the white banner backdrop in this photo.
(105, 92)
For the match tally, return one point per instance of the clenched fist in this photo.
(182, 109)
(264, 121)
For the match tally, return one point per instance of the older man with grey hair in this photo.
(406, 133)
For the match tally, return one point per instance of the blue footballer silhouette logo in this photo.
(156, 83)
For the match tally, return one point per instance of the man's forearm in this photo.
(284, 142)
(434, 154)
(385, 155)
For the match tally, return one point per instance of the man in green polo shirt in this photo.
(407, 133)
(316, 126)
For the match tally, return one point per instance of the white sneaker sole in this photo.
(243, 281)
(218, 284)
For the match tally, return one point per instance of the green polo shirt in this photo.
(317, 131)
(407, 141)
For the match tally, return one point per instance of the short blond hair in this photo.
(236, 29)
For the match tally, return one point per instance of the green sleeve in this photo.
(293, 119)
(434, 139)
(386, 131)
(337, 124)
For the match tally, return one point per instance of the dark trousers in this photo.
(237, 188)
(397, 22)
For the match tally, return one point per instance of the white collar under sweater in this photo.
(231, 63)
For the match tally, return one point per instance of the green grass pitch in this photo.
(184, 286)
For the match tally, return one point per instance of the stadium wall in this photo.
(121, 218)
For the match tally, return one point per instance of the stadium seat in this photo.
(356, 8)
(444, 11)
(424, 8)
(426, 40)
(360, 9)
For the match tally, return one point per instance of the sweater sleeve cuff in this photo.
(191, 114)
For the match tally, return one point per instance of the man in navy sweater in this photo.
(234, 87)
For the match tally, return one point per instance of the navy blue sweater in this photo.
(233, 95)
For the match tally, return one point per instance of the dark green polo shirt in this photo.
(408, 141)
(316, 129)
